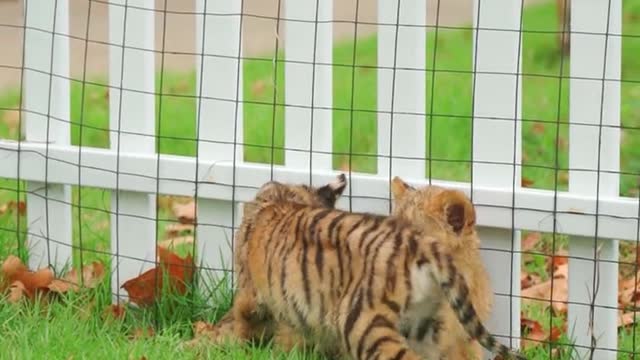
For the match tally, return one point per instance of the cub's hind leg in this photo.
(372, 334)
(245, 321)
(251, 321)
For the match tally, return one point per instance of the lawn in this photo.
(77, 326)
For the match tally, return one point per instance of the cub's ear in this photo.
(333, 190)
(455, 208)
(399, 188)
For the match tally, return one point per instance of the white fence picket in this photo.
(401, 87)
(496, 148)
(594, 163)
(219, 121)
(47, 114)
(132, 126)
(308, 83)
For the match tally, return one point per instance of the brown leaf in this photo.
(533, 333)
(22, 208)
(114, 311)
(526, 182)
(626, 319)
(561, 143)
(12, 205)
(92, 275)
(185, 212)
(201, 327)
(563, 177)
(17, 292)
(542, 293)
(142, 289)
(530, 241)
(629, 292)
(34, 281)
(203, 332)
(528, 280)
(560, 258)
(258, 88)
(23, 281)
(562, 271)
(12, 266)
(139, 333)
(538, 128)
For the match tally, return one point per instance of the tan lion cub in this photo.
(438, 210)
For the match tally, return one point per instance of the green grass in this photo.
(449, 103)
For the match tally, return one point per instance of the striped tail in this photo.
(457, 292)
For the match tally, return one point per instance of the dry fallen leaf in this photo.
(538, 128)
(92, 275)
(185, 212)
(204, 332)
(12, 205)
(543, 291)
(626, 319)
(114, 312)
(142, 289)
(530, 241)
(533, 334)
(139, 333)
(528, 280)
(12, 266)
(35, 281)
(258, 88)
(16, 292)
(560, 258)
(525, 182)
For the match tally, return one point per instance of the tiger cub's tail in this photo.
(456, 291)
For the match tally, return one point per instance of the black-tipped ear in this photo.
(333, 190)
(339, 184)
(455, 217)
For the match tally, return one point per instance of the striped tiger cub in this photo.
(344, 278)
(447, 214)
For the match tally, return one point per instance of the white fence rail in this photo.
(222, 180)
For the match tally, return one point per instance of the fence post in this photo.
(308, 83)
(47, 116)
(132, 126)
(594, 148)
(496, 148)
(402, 87)
(220, 123)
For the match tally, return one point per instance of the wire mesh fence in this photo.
(129, 126)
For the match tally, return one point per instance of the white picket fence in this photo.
(133, 171)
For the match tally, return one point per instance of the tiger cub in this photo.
(345, 278)
(258, 325)
(438, 210)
